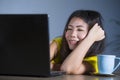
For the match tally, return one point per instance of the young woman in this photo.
(83, 38)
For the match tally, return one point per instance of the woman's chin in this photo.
(71, 47)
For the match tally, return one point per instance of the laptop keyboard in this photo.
(57, 73)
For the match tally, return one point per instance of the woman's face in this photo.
(76, 32)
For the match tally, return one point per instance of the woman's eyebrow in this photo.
(70, 25)
(76, 26)
(79, 26)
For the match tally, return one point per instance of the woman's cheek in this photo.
(66, 35)
(82, 36)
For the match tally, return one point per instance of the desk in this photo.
(63, 77)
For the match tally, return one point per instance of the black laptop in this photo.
(24, 45)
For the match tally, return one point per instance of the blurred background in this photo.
(59, 11)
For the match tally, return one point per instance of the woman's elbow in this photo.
(69, 70)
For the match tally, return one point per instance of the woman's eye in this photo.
(80, 30)
(69, 29)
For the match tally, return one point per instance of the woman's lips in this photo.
(73, 42)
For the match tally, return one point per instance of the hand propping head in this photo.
(96, 33)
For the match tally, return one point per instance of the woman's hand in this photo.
(96, 33)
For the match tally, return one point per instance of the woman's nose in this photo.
(73, 33)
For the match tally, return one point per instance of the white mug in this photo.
(106, 64)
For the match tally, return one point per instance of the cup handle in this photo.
(117, 64)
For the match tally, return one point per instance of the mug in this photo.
(106, 64)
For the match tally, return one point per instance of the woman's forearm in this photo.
(74, 60)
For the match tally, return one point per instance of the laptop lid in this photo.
(24, 44)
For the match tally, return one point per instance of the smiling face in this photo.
(76, 32)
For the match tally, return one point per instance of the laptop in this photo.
(24, 45)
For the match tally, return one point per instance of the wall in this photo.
(59, 10)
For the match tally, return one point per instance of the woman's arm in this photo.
(74, 64)
(53, 49)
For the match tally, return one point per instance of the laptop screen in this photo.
(24, 44)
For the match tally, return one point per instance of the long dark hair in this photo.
(90, 17)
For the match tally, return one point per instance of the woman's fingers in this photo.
(97, 33)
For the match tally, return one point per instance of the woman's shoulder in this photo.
(57, 39)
